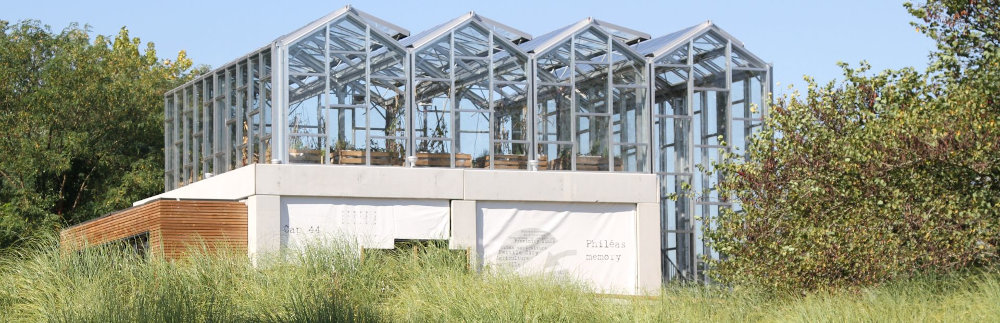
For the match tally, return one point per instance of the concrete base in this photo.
(265, 186)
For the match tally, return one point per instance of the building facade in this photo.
(352, 89)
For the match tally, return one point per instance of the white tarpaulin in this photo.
(593, 242)
(372, 223)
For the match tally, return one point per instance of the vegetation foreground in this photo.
(431, 283)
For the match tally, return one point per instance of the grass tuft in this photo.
(331, 282)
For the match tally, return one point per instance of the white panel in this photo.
(364, 181)
(604, 187)
(232, 185)
(592, 242)
(372, 223)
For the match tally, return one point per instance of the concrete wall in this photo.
(264, 185)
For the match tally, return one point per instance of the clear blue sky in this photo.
(798, 37)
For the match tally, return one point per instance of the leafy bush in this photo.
(82, 122)
(879, 176)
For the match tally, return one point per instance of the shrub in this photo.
(876, 177)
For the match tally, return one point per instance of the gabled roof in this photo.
(385, 27)
(548, 41)
(419, 40)
(666, 44)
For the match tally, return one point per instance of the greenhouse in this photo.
(352, 89)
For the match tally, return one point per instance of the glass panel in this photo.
(672, 105)
(308, 55)
(629, 111)
(304, 87)
(740, 59)
(306, 119)
(705, 188)
(387, 63)
(347, 35)
(554, 113)
(757, 95)
(592, 95)
(591, 46)
(267, 63)
(305, 150)
(207, 127)
(672, 80)
(267, 107)
(243, 126)
(473, 96)
(678, 56)
(190, 173)
(557, 156)
(554, 65)
(740, 132)
(592, 136)
(671, 142)
(511, 115)
(234, 145)
(437, 153)
(168, 140)
(388, 152)
(348, 92)
(630, 158)
(347, 128)
(708, 43)
(346, 68)
(471, 70)
(434, 61)
(591, 74)
(710, 108)
(265, 146)
(710, 72)
(388, 105)
(473, 136)
(304, 111)
(739, 106)
(508, 67)
(433, 110)
(433, 146)
(509, 155)
(471, 41)
(255, 138)
(254, 83)
(628, 72)
(234, 95)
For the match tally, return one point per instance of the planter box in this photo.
(357, 157)
(443, 160)
(514, 162)
(587, 163)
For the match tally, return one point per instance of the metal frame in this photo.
(240, 113)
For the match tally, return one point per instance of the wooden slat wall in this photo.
(115, 226)
(188, 224)
(173, 226)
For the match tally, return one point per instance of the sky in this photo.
(797, 37)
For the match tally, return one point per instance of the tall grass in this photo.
(334, 283)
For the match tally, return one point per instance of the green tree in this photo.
(81, 124)
(876, 177)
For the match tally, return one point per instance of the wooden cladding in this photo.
(173, 227)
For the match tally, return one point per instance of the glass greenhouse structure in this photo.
(352, 89)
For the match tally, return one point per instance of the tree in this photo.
(82, 125)
(876, 177)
